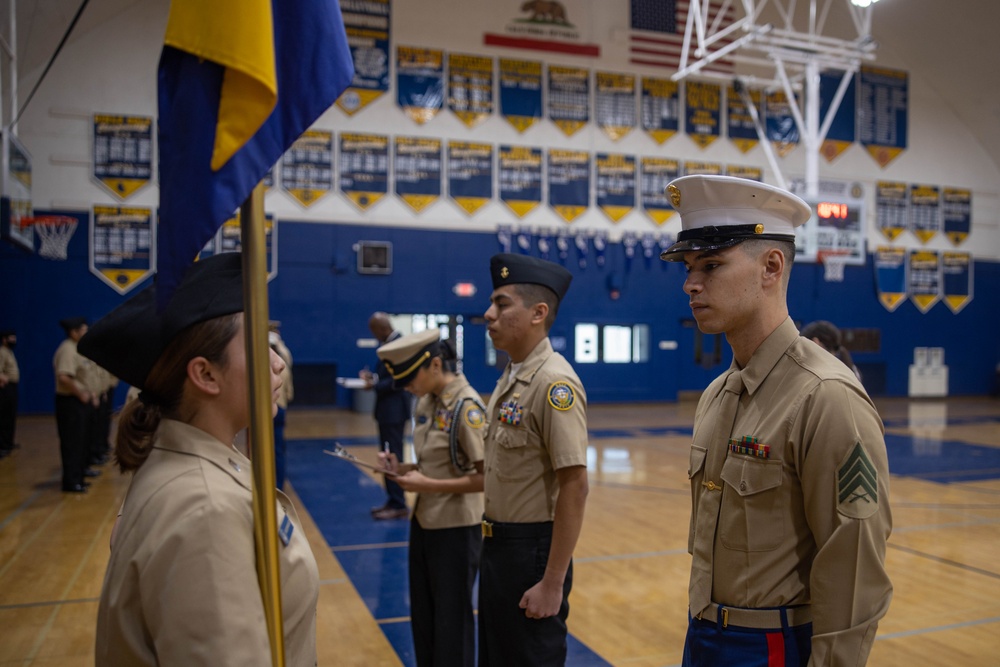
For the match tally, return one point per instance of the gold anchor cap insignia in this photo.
(759, 229)
(504, 272)
(675, 195)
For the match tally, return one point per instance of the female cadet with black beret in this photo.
(181, 585)
(445, 532)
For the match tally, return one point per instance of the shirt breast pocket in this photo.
(752, 516)
(513, 454)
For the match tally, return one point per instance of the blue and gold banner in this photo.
(925, 211)
(956, 205)
(470, 174)
(956, 268)
(692, 168)
(419, 82)
(417, 168)
(780, 123)
(17, 196)
(842, 132)
(742, 130)
(703, 111)
(661, 108)
(121, 246)
(924, 279)
(890, 276)
(569, 183)
(368, 27)
(569, 98)
(891, 208)
(470, 87)
(615, 184)
(230, 239)
(521, 92)
(655, 174)
(520, 178)
(614, 103)
(307, 167)
(364, 168)
(883, 111)
(123, 153)
(749, 173)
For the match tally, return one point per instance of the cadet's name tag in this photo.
(286, 530)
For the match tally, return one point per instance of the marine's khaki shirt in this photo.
(181, 585)
(67, 361)
(8, 365)
(798, 526)
(536, 425)
(431, 443)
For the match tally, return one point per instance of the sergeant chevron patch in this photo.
(857, 485)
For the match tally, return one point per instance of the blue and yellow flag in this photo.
(239, 81)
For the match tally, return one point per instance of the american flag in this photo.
(657, 35)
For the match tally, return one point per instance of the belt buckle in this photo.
(487, 528)
(725, 617)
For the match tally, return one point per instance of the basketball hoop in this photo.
(833, 265)
(55, 231)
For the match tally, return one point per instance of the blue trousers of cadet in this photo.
(708, 644)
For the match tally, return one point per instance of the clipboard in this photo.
(340, 453)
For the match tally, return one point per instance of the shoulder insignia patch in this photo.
(561, 395)
(857, 485)
(474, 417)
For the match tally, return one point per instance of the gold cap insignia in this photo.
(504, 272)
(675, 195)
(759, 229)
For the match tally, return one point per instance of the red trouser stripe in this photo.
(775, 649)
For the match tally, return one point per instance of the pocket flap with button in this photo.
(747, 476)
(511, 437)
(698, 455)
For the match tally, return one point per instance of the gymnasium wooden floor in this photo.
(629, 596)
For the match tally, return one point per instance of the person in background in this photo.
(285, 396)
(10, 377)
(788, 467)
(75, 405)
(535, 478)
(181, 585)
(827, 335)
(445, 532)
(392, 411)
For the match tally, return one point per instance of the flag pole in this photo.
(261, 434)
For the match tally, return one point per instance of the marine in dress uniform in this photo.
(445, 531)
(181, 584)
(10, 377)
(74, 406)
(535, 477)
(788, 467)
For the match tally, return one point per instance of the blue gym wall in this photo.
(324, 304)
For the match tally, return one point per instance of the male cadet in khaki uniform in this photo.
(536, 474)
(789, 474)
(74, 406)
(10, 376)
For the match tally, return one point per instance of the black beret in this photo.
(512, 269)
(71, 323)
(129, 340)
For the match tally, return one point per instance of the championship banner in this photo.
(703, 111)
(891, 208)
(121, 246)
(569, 183)
(614, 103)
(655, 174)
(924, 218)
(956, 268)
(470, 87)
(307, 167)
(842, 132)
(924, 279)
(368, 26)
(229, 238)
(123, 153)
(749, 173)
(883, 99)
(16, 200)
(780, 123)
(520, 92)
(364, 168)
(470, 174)
(741, 129)
(707, 168)
(956, 213)
(417, 167)
(419, 82)
(660, 108)
(615, 184)
(520, 178)
(569, 98)
(890, 276)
